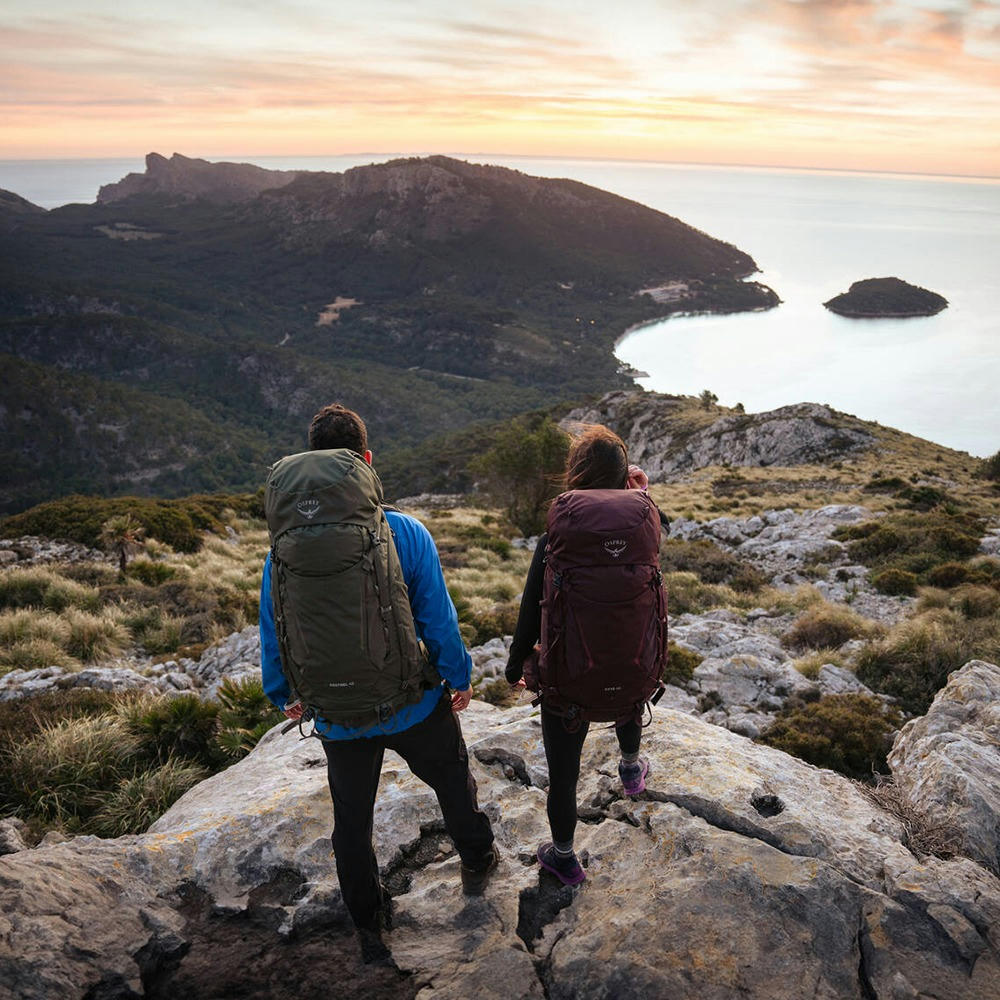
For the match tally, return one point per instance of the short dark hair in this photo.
(597, 460)
(335, 426)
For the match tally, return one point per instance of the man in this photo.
(426, 733)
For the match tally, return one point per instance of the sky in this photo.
(898, 85)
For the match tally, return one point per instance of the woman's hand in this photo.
(518, 686)
(637, 479)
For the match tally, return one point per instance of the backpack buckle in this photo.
(557, 579)
(384, 712)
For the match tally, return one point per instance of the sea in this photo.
(812, 233)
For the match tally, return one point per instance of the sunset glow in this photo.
(908, 85)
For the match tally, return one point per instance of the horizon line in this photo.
(244, 157)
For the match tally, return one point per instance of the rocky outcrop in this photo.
(741, 872)
(30, 549)
(662, 441)
(189, 178)
(948, 761)
(886, 298)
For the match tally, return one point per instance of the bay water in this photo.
(811, 233)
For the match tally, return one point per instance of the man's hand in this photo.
(460, 699)
(294, 711)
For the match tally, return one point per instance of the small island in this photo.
(886, 298)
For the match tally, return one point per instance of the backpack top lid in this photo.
(613, 527)
(320, 487)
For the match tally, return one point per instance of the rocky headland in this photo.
(886, 298)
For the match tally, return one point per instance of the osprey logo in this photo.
(308, 508)
(615, 546)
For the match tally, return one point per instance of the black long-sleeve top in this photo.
(529, 618)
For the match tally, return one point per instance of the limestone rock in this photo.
(740, 872)
(192, 178)
(664, 445)
(948, 761)
(11, 836)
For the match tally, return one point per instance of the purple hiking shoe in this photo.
(634, 776)
(567, 869)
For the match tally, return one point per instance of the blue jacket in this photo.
(433, 614)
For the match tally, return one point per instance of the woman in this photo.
(597, 460)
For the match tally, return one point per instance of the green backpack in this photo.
(342, 615)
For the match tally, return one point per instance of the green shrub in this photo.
(849, 733)
(895, 582)
(149, 572)
(826, 626)
(30, 654)
(497, 621)
(61, 774)
(137, 802)
(948, 574)
(990, 469)
(175, 727)
(710, 564)
(41, 587)
(21, 720)
(497, 692)
(681, 663)
(522, 469)
(975, 601)
(913, 662)
(94, 637)
(245, 716)
(913, 542)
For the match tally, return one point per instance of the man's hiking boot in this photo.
(385, 907)
(634, 776)
(373, 949)
(475, 877)
(565, 868)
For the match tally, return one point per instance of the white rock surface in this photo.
(741, 872)
(948, 761)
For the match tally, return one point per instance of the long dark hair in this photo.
(597, 460)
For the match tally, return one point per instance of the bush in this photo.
(497, 692)
(177, 727)
(912, 663)
(497, 621)
(523, 468)
(912, 542)
(60, 775)
(139, 801)
(948, 574)
(245, 716)
(895, 582)
(681, 663)
(975, 601)
(149, 572)
(38, 587)
(990, 469)
(711, 564)
(826, 626)
(30, 654)
(25, 626)
(94, 637)
(849, 733)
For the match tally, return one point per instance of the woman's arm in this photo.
(529, 618)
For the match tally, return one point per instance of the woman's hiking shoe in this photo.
(475, 877)
(634, 776)
(566, 868)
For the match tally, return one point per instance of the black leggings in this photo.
(562, 751)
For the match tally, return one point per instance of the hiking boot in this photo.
(634, 776)
(383, 915)
(373, 949)
(475, 877)
(566, 869)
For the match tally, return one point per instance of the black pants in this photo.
(562, 751)
(435, 752)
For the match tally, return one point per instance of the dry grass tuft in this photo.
(923, 835)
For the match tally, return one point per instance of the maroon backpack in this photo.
(604, 609)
